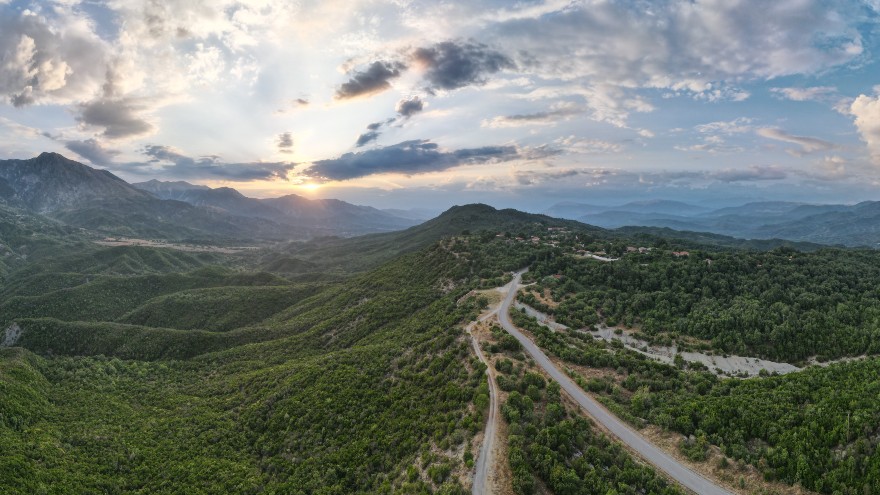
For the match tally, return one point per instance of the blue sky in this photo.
(405, 103)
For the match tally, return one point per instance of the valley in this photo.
(482, 351)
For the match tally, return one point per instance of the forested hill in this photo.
(364, 252)
(135, 369)
(363, 386)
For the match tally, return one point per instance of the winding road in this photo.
(649, 452)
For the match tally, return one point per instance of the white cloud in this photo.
(736, 126)
(587, 146)
(814, 93)
(807, 144)
(603, 102)
(685, 46)
(43, 60)
(866, 110)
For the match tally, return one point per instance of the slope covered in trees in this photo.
(782, 304)
(154, 370)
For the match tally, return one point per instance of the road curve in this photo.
(648, 451)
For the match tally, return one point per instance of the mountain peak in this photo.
(51, 155)
(51, 181)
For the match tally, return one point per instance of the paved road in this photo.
(648, 451)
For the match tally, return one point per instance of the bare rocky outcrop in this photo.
(11, 335)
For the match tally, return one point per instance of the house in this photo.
(680, 253)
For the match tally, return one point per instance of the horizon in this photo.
(402, 105)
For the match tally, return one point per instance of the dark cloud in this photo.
(285, 142)
(373, 132)
(370, 81)
(93, 151)
(408, 157)
(22, 99)
(452, 65)
(367, 137)
(292, 106)
(119, 117)
(546, 117)
(175, 164)
(408, 107)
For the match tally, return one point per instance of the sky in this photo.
(426, 104)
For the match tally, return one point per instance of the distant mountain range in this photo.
(80, 196)
(330, 214)
(835, 224)
(76, 196)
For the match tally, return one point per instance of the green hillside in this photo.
(145, 370)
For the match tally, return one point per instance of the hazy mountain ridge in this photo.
(291, 209)
(53, 186)
(835, 224)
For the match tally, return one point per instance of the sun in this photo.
(310, 186)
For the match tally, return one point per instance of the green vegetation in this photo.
(218, 309)
(550, 444)
(345, 370)
(817, 427)
(109, 298)
(369, 251)
(782, 305)
(28, 238)
(360, 386)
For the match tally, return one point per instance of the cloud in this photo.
(119, 117)
(374, 130)
(584, 146)
(807, 144)
(815, 93)
(93, 151)
(285, 142)
(711, 145)
(454, 64)
(531, 177)
(367, 137)
(753, 173)
(409, 157)
(830, 168)
(408, 107)
(291, 106)
(692, 47)
(558, 112)
(48, 59)
(602, 102)
(737, 126)
(866, 110)
(173, 163)
(374, 79)
(612, 178)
